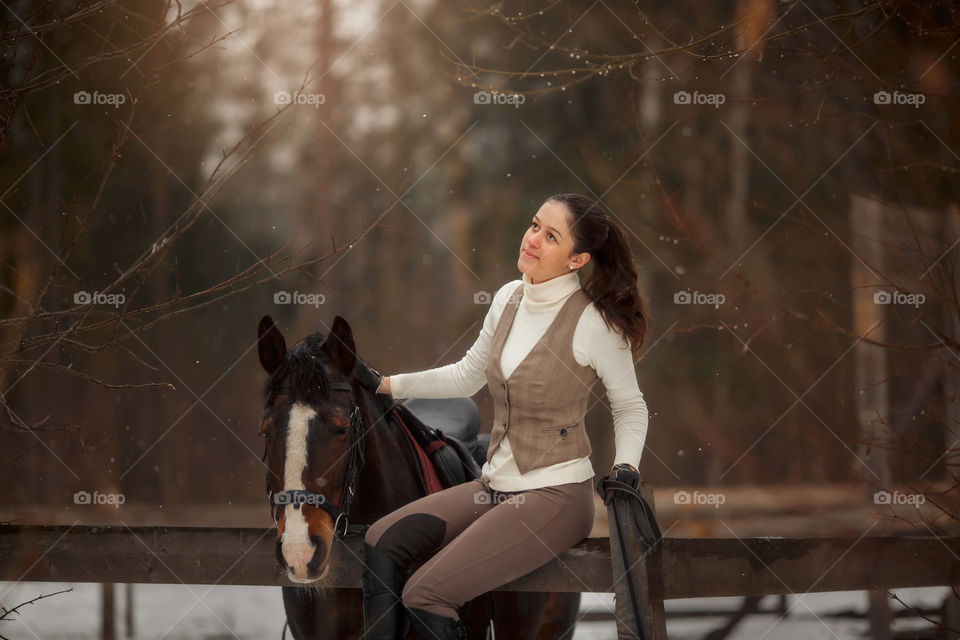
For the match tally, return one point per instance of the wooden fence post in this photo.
(128, 614)
(636, 575)
(109, 630)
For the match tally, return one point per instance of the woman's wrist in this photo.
(384, 386)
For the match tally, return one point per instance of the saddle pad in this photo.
(428, 473)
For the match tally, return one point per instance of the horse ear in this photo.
(340, 346)
(270, 345)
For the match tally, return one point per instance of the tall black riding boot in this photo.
(430, 626)
(384, 617)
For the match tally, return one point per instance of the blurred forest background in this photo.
(786, 171)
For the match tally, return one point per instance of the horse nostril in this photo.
(290, 569)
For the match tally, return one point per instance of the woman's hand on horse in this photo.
(384, 385)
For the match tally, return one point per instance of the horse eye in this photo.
(266, 426)
(342, 431)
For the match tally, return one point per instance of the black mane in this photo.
(301, 374)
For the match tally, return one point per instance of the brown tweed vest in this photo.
(543, 403)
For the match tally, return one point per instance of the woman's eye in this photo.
(534, 226)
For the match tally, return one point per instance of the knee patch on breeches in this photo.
(413, 539)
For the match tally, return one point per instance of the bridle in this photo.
(339, 512)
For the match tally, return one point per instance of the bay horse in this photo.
(337, 462)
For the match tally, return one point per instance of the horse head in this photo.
(313, 426)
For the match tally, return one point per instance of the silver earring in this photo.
(571, 266)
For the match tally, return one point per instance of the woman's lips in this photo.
(529, 255)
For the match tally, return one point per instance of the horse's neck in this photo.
(389, 478)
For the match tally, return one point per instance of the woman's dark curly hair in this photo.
(612, 281)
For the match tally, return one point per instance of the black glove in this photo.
(621, 473)
(378, 377)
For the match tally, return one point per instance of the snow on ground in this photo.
(179, 612)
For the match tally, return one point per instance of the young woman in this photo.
(545, 342)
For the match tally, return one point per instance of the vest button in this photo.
(563, 433)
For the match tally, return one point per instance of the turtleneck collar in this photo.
(545, 295)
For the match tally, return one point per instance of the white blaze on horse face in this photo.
(295, 543)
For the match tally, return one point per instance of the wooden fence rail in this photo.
(691, 568)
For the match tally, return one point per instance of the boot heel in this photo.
(430, 626)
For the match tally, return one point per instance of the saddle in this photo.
(447, 431)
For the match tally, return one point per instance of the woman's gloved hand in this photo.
(623, 472)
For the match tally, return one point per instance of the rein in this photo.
(650, 536)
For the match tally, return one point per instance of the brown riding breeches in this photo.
(470, 539)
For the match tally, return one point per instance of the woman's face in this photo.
(547, 248)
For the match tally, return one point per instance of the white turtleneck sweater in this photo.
(594, 345)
